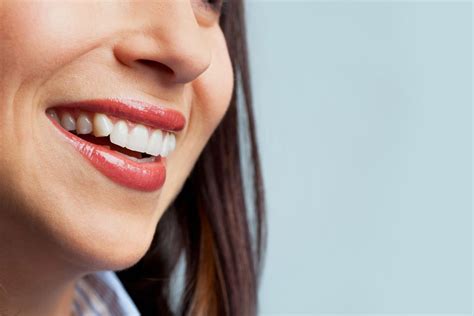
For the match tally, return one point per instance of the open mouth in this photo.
(125, 140)
(137, 142)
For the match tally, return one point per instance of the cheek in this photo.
(43, 32)
(209, 97)
(213, 91)
(38, 37)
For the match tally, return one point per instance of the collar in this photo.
(102, 294)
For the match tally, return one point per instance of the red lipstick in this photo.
(141, 176)
(133, 110)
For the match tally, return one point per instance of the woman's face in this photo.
(68, 191)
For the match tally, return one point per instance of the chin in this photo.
(105, 250)
(96, 239)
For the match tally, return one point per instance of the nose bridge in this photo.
(167, 34)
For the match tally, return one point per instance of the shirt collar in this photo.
(102, 294)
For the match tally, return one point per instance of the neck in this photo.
(33, 281)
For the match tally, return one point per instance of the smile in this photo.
(125, 140)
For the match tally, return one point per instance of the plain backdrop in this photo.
(364, 114)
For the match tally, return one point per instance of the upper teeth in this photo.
(135, 137)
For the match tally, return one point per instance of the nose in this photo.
(166, 38)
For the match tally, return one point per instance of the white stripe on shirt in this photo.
(102, 294)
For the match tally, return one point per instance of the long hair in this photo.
(216, 224)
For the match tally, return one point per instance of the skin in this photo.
(61, 219)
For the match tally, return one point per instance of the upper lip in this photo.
(153, 115)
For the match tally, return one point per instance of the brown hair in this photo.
(217, 222)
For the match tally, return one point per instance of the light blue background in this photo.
(364, 116)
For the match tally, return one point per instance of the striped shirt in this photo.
(102, 294)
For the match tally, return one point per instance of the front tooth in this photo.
(138, 138)
(119, 134)
(155, 143)
(84, 124)
(68, 122)
(102, 125)
(52, 113)
(165, 149)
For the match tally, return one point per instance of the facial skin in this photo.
(59, 217)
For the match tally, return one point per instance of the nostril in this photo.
(156, 66)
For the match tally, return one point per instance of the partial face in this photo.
(105, 107)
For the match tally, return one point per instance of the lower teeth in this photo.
(148, 159)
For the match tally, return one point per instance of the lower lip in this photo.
(145, 177)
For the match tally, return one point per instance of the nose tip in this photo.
(187, 62)
(181, 55)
